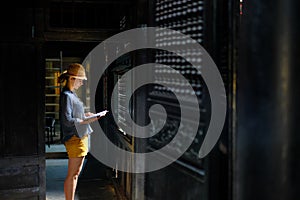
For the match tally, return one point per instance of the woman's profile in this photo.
(75, 124)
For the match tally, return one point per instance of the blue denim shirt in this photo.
(71, 112)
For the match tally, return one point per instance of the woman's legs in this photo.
(74, 168)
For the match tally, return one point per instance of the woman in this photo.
(74, 125)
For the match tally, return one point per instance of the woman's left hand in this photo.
(88, 114)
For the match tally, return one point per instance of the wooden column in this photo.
(22, 149)
(268, 101)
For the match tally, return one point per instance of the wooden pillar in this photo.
(268, 101)
(22, 150)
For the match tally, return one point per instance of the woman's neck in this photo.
(70, 87)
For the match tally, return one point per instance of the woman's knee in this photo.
(73, 176)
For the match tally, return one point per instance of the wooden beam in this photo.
(78, 36)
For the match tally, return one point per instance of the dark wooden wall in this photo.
(212, 179)
(22, 157)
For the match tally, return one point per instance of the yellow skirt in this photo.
(77, 147)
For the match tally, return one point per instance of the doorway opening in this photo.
(54, 66)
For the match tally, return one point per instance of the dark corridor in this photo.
(255, 47)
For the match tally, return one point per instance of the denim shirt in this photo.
(71, 113)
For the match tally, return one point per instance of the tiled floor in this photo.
(93, 182)
(56, 170)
